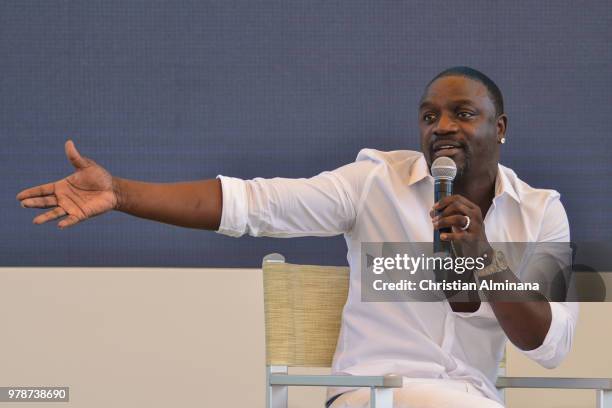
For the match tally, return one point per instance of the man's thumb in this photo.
(73, 155)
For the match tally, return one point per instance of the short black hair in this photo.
(494, 92)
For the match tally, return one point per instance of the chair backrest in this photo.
(303, 308)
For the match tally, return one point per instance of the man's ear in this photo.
(502, 127)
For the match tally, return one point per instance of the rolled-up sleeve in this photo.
(235, 209)
(323, 205)
(559, 339)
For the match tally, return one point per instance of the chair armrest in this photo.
(555, 382)
(380, 381)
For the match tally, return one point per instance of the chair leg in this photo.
(381, 397)
(604, 399)
(277, 396)
(502, 395)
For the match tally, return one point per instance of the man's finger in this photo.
(73, 155)
(40, 202)
(68, 222)
(453, 236)
(448, 200)
(455, 208)
(50, 215)
(38, 191)
(458, 221)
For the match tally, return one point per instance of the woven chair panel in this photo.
(303, 309)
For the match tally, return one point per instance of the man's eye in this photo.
(465, 115)
(429, 117)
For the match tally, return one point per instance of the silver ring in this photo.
(467, 223)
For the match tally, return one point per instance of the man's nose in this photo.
(445, 124)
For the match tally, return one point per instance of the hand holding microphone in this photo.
(454, 217)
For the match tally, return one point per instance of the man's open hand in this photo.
(84, 194)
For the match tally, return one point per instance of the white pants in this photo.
(423, 393)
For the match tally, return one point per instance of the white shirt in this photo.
(386, 197)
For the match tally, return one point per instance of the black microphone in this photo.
(443, 171)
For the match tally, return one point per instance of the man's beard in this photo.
(463, 171)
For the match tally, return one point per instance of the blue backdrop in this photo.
(166, 91)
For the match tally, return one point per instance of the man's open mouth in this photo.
(446, 149)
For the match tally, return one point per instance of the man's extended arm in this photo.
(322, 205)
(91, 191)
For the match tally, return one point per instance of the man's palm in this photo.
(85, 193)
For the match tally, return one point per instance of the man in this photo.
(448, 351)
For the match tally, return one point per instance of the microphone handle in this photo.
(442, 188)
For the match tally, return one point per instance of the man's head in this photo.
(461, 116)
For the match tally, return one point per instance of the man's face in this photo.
(457, 119)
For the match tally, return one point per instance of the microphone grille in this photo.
(444, 168)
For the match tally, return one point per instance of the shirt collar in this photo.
(503, 185)
(420, 171)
